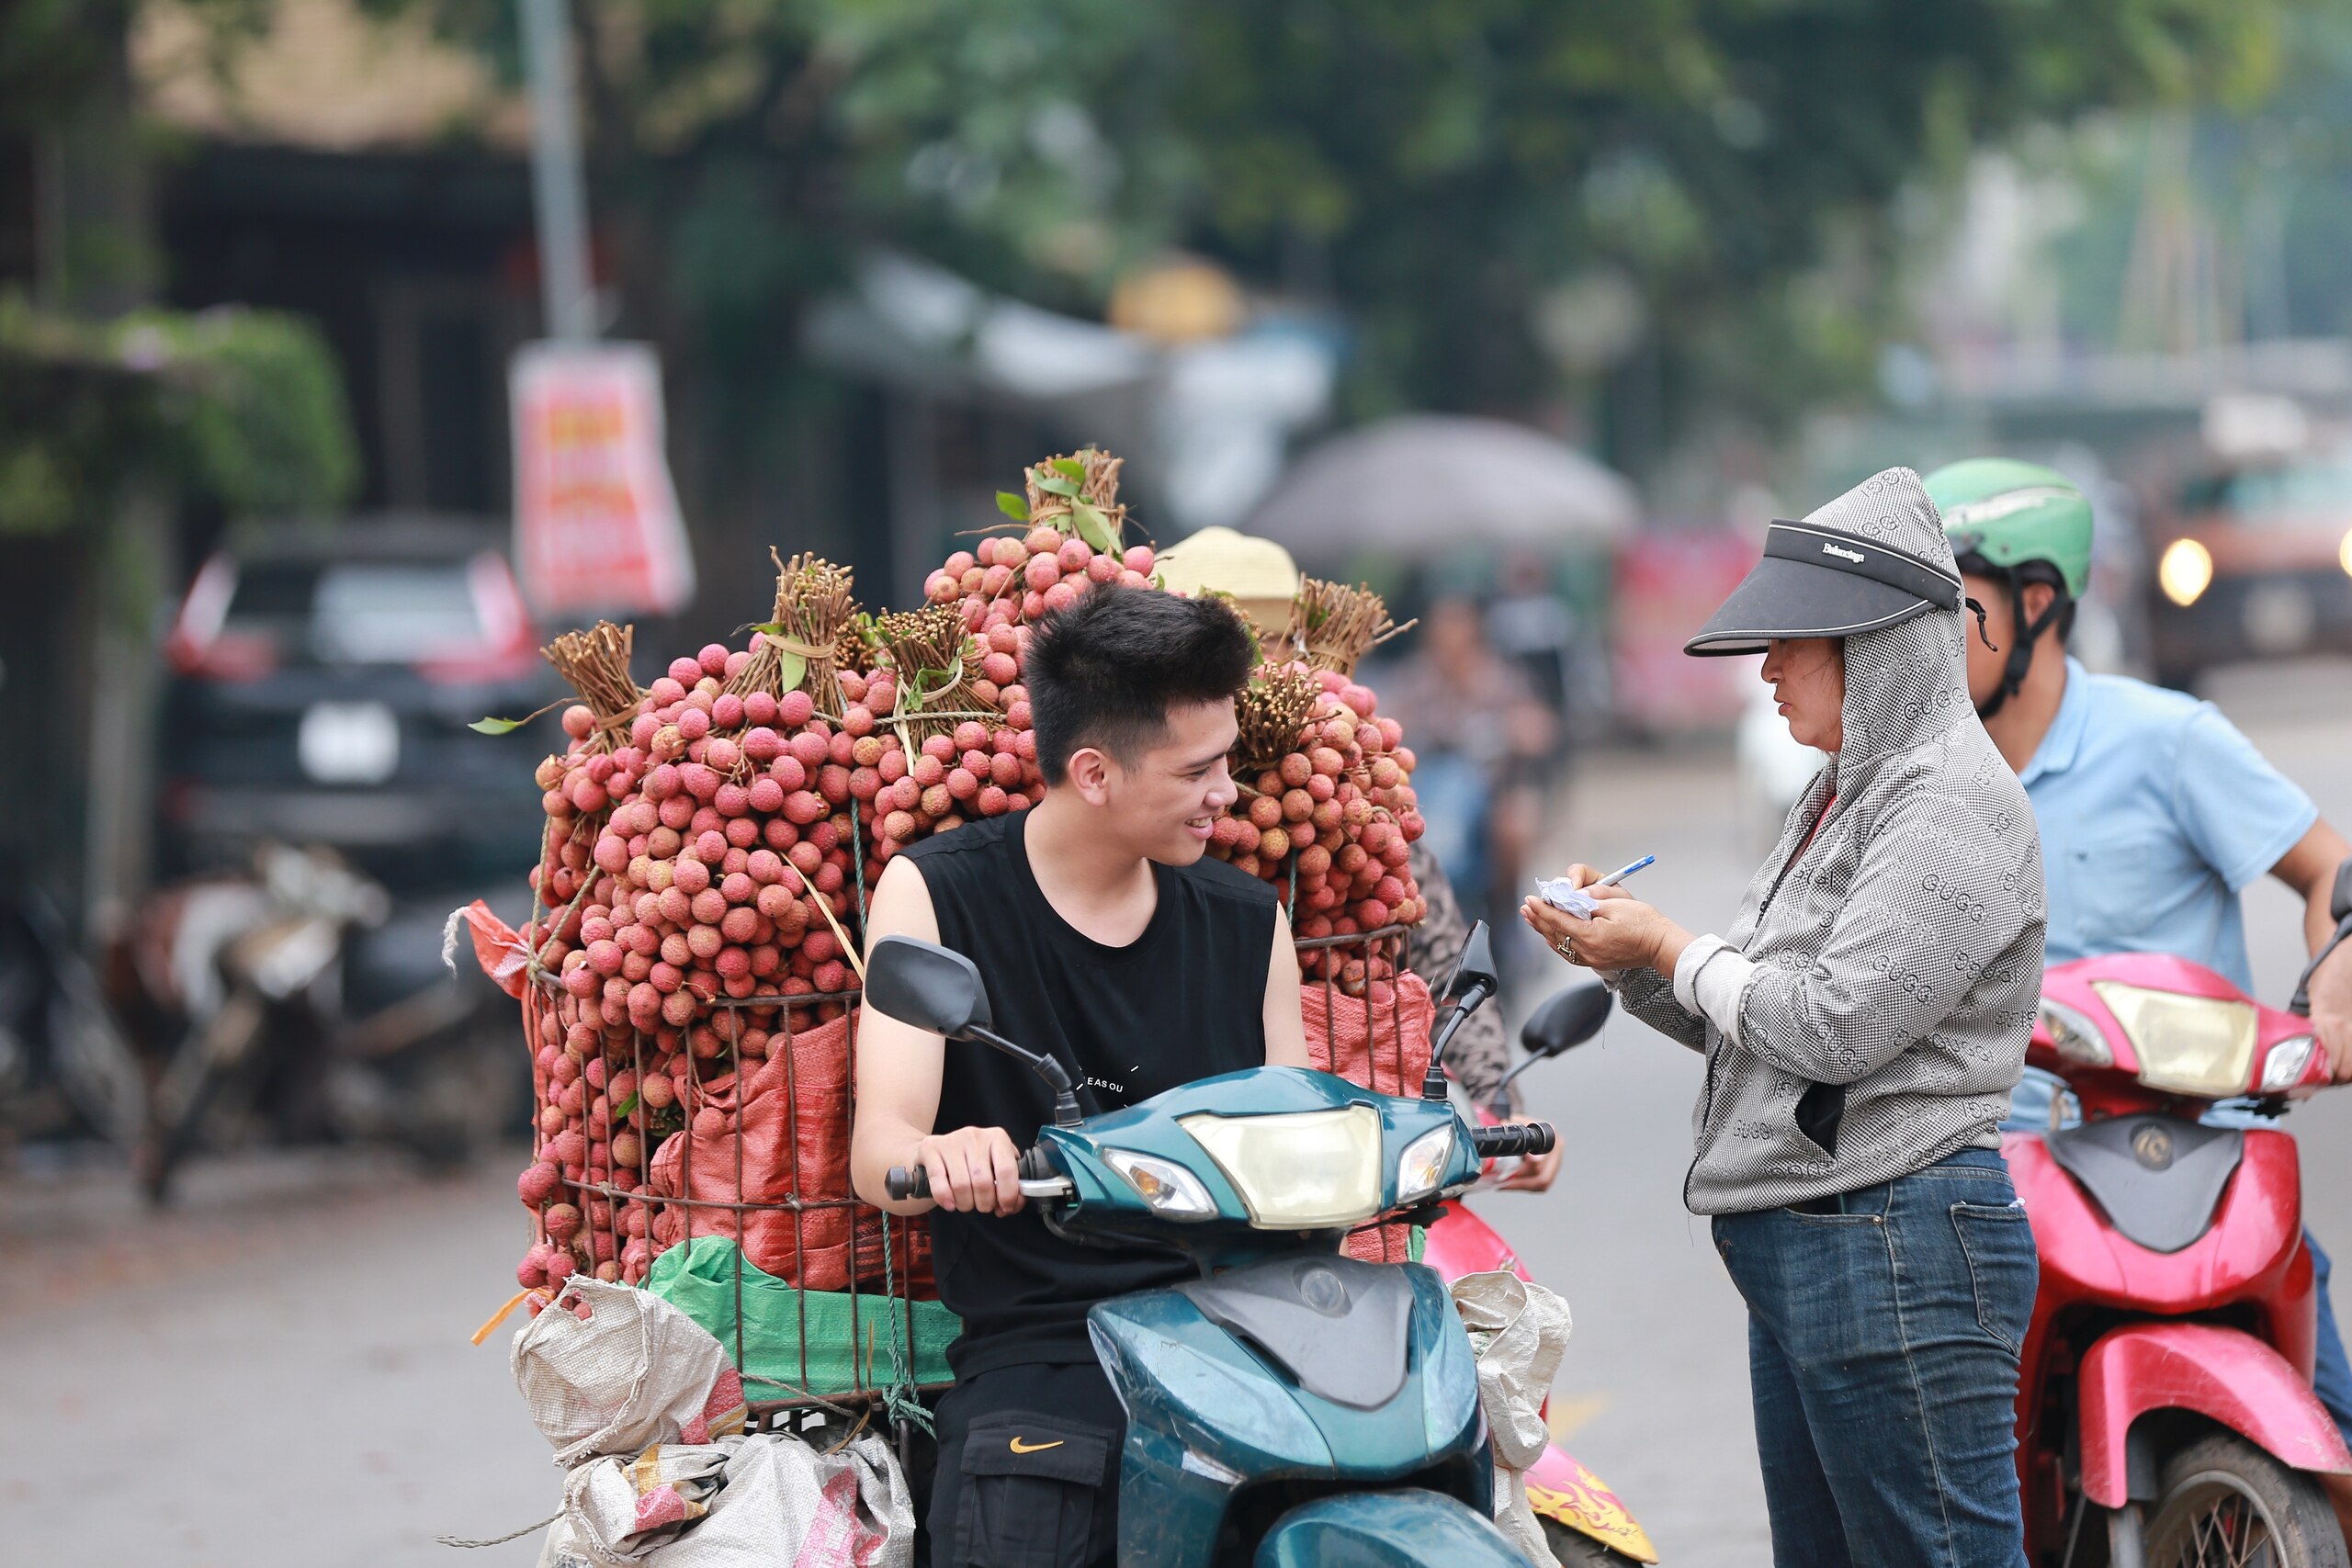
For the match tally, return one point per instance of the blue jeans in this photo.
(2030, 1111)
(1882, 1343)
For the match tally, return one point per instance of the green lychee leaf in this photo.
(1070, 467)
(1013, 506)
(795, 670)
(497, 725)
(1054, 484)
(1094, 528)
(628, 1104)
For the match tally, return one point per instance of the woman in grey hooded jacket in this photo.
(1863, 1019)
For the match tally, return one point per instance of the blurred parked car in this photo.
(325, 679)
(2253, 561)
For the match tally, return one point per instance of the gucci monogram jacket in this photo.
(1867, 1012)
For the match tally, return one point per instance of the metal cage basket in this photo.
(729, 1120)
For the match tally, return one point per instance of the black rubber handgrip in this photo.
(1512, 1139)
(902, 1184)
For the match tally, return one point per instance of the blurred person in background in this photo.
(2159, 811)
(1863, 1024)
(1532, 626)
(1481, 737)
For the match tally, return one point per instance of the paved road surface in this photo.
(278, 1374)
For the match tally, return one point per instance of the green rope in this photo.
(900, 1398)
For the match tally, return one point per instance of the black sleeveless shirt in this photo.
(1185, 1001)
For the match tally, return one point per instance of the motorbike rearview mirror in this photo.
(1474, 969)
(1472, 982)
(926, 986)
(1566, 1019)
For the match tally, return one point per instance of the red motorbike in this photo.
(1583, 1521)
(2164, 1407)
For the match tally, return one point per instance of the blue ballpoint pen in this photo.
(1614, 877)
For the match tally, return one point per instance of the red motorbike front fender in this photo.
(2223, 1374)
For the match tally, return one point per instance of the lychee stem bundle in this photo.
(813, 608)
(934, 656)
(1097, 490)
(595, 662)
(1271, 712)
(1336, 625)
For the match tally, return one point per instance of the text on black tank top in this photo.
(1183, 1001)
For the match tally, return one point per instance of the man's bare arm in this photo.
(2310, 869)
(1286, 1030)
(898, 1074)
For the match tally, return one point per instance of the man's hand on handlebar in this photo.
(972, 1169)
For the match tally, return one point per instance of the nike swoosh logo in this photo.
(1021, 1447)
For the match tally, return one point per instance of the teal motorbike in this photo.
(1291, 1406)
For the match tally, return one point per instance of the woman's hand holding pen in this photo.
(1623, 932)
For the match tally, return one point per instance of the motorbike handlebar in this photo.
(1514, 1139)
(1037, 1180)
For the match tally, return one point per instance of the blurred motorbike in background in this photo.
(67, 1070)
(324, 684)
(254, 972)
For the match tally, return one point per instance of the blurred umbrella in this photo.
(1421, 484)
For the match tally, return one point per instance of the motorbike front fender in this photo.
(2225, 1374)
(1406, 1528)
(1560, 1488)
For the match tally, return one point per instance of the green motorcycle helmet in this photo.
(2026, 523)
(2012, 513)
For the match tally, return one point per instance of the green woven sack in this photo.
(698, 1279)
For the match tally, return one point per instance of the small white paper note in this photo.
(1564, 897)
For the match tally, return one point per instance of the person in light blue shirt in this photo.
(2156, 813)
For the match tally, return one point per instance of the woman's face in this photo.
(1807, 675)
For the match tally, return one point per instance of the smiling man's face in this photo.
(1166, 802)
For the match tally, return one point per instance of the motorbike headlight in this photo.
(1305, 1170)
(1167, 1187)
(2184, 571)
(2287, 1062)
(2075, 1038)
(2199, 1046)
(1422, 1166)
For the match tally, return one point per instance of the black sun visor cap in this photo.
(1816, 581)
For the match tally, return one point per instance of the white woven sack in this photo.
(785, 1505)
(1520, 1333)
(637, 1371)
(617, 1510)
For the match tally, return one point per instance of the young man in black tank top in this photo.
(1107, 939)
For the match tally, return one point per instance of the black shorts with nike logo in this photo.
(1028, 1470)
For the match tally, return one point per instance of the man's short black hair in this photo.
(1105, 672)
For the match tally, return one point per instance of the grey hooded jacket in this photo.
(1897, 964)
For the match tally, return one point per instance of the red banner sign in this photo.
(596, 522)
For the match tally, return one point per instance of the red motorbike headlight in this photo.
(2199, 1046)
(2075, 1038)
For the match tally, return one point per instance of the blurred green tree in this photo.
(1468, 181)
